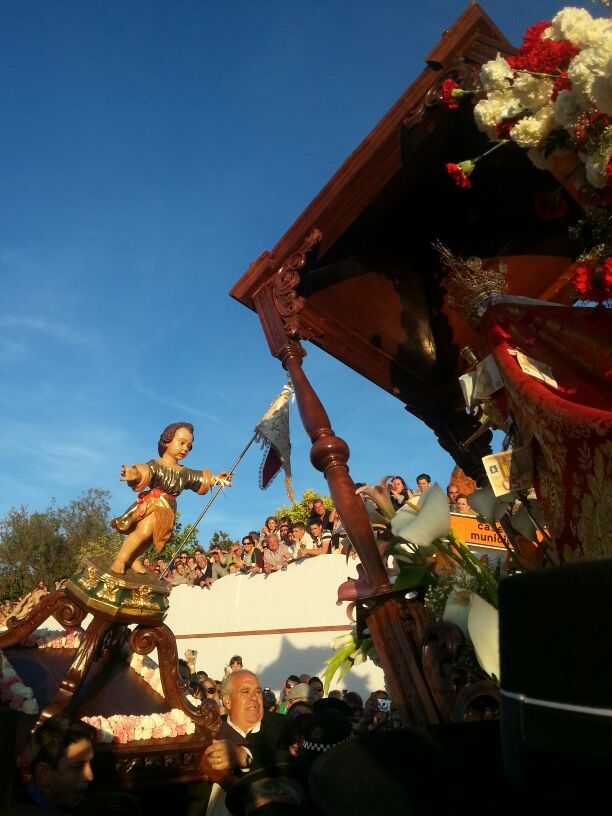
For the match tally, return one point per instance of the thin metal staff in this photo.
(220, 487)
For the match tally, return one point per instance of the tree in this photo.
(49, 545)
(299, 511)
(221, 539)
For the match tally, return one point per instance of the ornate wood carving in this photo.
(55, 604)
(286, 280)
(146, 638)
(90, 648)
(465, 74)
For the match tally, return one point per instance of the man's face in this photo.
(244, 703)
(422, 485)
(283, 531)
(67, 784)
(297, 535)
(315, 529)
(319, 508)
(272, 543)
(316, 689)
(452, 491)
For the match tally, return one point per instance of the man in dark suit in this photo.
(249, 737)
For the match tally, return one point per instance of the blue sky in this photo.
(149, 152)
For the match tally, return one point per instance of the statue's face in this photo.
(180, 445)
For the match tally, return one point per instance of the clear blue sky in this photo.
(150, 150)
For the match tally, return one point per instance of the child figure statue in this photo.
(151, 518)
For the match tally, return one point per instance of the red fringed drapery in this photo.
(570, 427)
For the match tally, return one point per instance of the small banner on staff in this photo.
(272, 431)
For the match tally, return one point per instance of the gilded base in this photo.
(126, 598)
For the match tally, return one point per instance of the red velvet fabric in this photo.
(570, 427)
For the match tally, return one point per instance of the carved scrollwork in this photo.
(286, 300)
(147, 764)
(477, 701)
(465, 74)
(143, 640)
(69, 614)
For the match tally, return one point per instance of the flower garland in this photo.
(13, 690)
(48, 639)
(124, 728)
(119, 728)
(554, 98)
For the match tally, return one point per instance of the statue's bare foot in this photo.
(118, 566)
(138, 566)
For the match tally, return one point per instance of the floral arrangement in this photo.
(124, 728)
(422, 555)
(148, 670)
(118, 728)
(554, 98)
(48, 639)
(13, 690)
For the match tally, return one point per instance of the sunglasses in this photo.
(210, 690)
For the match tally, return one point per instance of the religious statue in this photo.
(150, 519)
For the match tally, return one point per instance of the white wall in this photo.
(237, 607)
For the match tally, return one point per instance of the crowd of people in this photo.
(270, 549)
(264, 750)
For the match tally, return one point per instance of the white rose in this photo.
(30, 706)
(21, 690)
(532, 130)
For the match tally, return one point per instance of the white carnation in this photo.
(601, 90)
(568, 106)
(532, 92)
(495, 74)
(577, 26)
(21, 690)
(586, 66)
(490, 111)
(532, 130)
(596, 171)
(570, 24)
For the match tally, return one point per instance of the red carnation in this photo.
(503, 128)
(594, 284)
(460, 173)
(561, 83)
(533, 34)
(582, 279)
(446, 89)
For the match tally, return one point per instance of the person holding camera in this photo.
(376, 713)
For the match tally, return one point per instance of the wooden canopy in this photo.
(356, 273)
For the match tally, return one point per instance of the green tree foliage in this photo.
(221, 539)
(299, 511)
(49, 545)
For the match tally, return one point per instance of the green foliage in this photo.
(49, 545)
(299, 511)
(221, 539)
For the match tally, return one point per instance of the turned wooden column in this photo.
(397, 649)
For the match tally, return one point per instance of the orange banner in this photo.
(474, 532)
